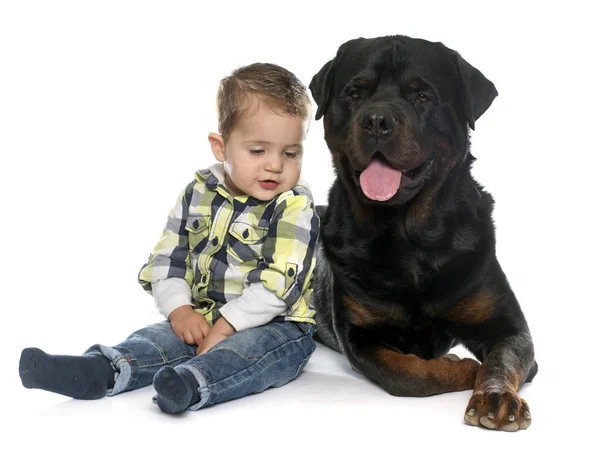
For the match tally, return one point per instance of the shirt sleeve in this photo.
(289, 249)
(170, 294)
(256, 306)
(171, 255)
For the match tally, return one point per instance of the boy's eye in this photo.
(256, 150)
(291, 153)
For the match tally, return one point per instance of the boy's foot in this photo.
(79, 377)
(175, 391)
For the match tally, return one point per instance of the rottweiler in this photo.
(407, 267)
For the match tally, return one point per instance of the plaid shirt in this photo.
(220, 244)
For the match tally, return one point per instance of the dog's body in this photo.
(407, 267)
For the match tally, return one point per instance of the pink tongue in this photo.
(379, 181)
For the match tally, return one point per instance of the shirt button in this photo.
(215, 241)
(245, 234)
(290, 272)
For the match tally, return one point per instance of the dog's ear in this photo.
(320, 86)
(478, 91)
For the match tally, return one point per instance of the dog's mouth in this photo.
(381, 181)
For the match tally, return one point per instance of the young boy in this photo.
(231, 272)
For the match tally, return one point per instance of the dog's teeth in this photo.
(471, 413)
(526, 415)
(511, 418)
(491, 415)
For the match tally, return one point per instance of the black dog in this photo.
(407, 265)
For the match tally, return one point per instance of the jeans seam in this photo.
(159, 349)
(282, 338)
(165, 361)
(304, 362)
(163, 355)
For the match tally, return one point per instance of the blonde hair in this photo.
(258, 83)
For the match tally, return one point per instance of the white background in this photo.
(105, 108)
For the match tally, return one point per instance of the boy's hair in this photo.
(270, 84)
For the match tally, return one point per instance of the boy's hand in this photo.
(188, 325)
(220, 331)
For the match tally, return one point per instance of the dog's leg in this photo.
(495, 403)
(405, 374)
(490, 323)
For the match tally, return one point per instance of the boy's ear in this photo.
(217, 145)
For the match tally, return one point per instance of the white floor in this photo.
(328, 411)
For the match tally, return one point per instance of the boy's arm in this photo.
(168, 275)
(220, 331)
(255, 307)
(170, 294)
(171, 255)
(280, 280)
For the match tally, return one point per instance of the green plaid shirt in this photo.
(220, 244)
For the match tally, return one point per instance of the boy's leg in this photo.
(106, 370)
(137, 359)
(248, 362)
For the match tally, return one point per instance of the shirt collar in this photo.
(213, 176)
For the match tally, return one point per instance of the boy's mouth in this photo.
(268, 184)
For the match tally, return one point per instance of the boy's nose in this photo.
(274, 163)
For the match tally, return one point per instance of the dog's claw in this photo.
(471, 418)
(510, 427)
(502, 411)
(525, 423)
(487, 422)
(451, 357)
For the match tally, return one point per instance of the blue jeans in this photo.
(249, 361)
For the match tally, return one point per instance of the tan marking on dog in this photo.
(474, 309)
(447, 374)
(359, 314)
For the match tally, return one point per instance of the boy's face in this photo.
(263, 154)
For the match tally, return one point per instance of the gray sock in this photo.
(175, 390)
(79, 377)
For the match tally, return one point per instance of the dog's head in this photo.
(396, 114)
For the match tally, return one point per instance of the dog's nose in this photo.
(378, 123)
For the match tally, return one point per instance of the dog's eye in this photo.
(422, 98)
(354, 95)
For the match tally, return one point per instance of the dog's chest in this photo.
(386, 262)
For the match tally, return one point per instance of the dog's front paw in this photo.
(462, 370)
(498, 409)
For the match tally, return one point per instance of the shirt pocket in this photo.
(246, 240)
(198, 228)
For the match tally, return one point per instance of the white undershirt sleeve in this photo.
(171, 293)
